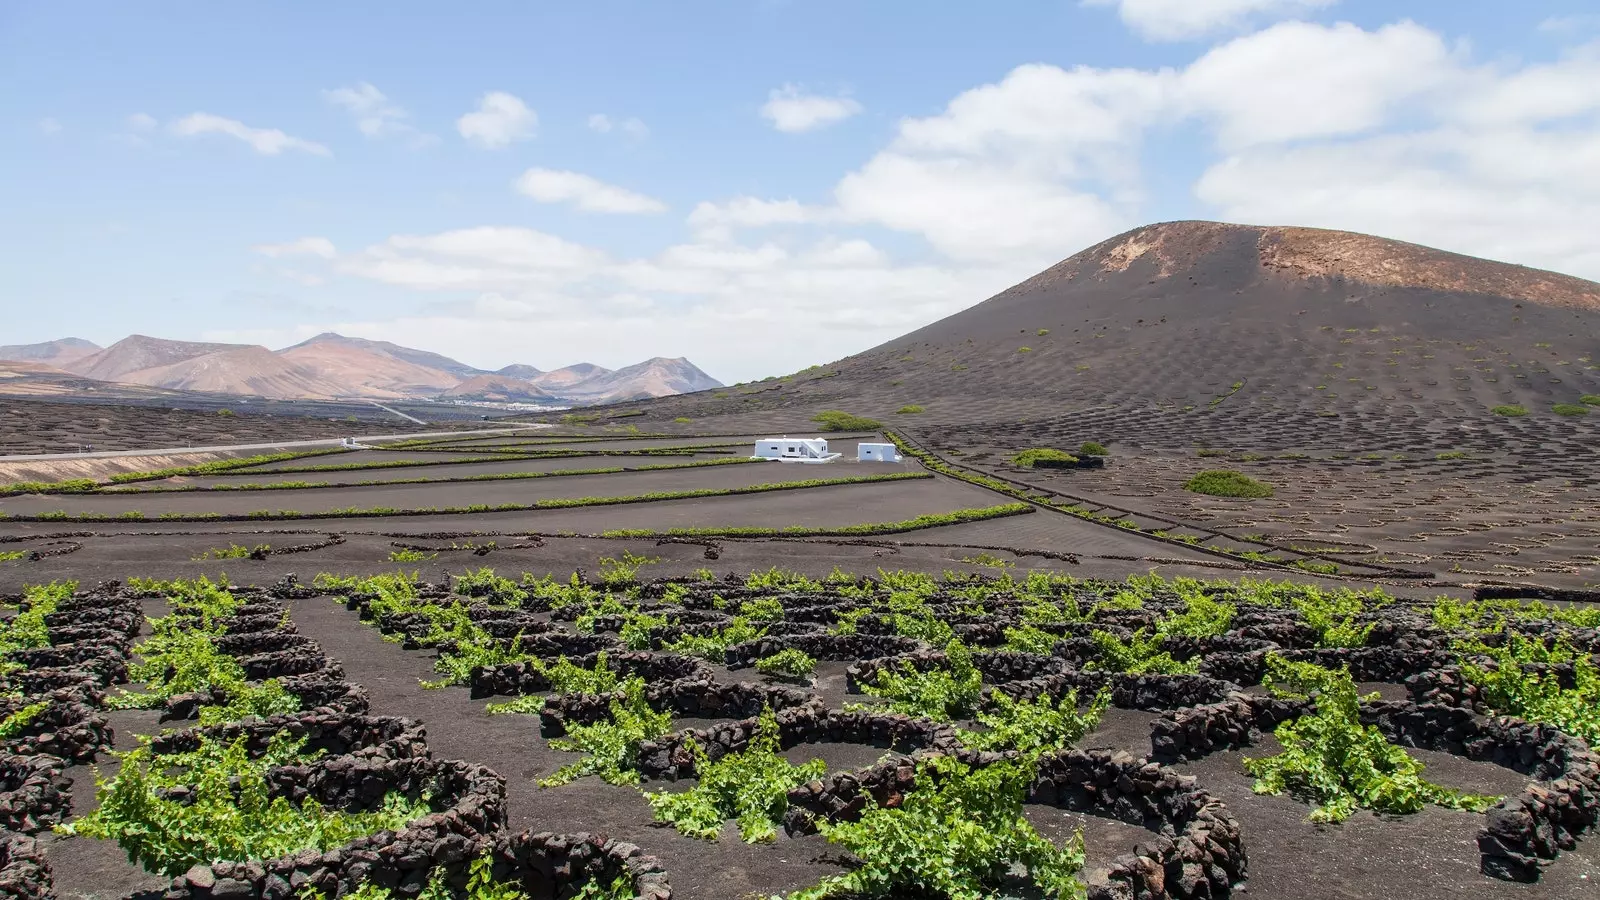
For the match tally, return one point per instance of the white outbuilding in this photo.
(866, 452)
(788, 449)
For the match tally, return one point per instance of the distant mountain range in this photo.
(332, 366)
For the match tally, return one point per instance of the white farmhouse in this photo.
(788, 449)
(866, 452)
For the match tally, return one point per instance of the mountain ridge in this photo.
(334, 366)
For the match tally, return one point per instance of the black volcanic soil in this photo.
(1428, 855)
(38, 426)
(429, 496)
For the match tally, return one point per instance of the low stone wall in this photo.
(1234, 722)
(256, 642)
(300, 661)
(519, 678)
(108, 663)
(316, 692)
(1521, 833)
(470, 804)
(1143, 692)
(34, 793)
(24, 872)
(1010, 666)
(378, 737)
(688, 698)
(667, 758)
(1386, 664)
(1526, 830)
(1196, 849)
(835, 647)
(70, 729)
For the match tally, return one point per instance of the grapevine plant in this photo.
(1516, 684)
(612, 746)
(957, 834)
(1335, 763)
(170, 812)
(1034, 726)
(943, 694)
(750, 786)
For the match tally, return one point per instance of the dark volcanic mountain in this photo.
(1202, 317)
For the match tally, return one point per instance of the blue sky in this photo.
(756, 185)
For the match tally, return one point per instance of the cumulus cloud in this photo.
(141, 122)
(628, 127)
(1180, 20)
(791, 109)
(266, 141)
(499, 120)
(584, 192)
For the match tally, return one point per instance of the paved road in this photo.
(326, 442)
(390, 409)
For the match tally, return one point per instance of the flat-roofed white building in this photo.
(788, 449)
(866, 452)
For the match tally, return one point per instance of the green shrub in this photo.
(683, 420)
(1570, 409)
(1093, 448)
(1029, 458)
(224, 412)
(1510, 410)
(1227, 483)
(1451, 454)
(835, 420)
(1335, 763)
(1590, 399)
(909, 409)
(410, 555)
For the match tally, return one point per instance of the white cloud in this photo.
(1297, 80)
(1019, 171)
(499, 120)
(584, 192)
(752, 212)
(141, 122)
(629, 127)
(1393, 131)
(49, 126)
(1179, 20)
(266, 141)
(375, 114)
(306, 246)
(790, 109)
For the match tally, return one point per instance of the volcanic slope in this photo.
(1170, 317)
(1418, 406)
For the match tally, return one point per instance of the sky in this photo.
(757, 185)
